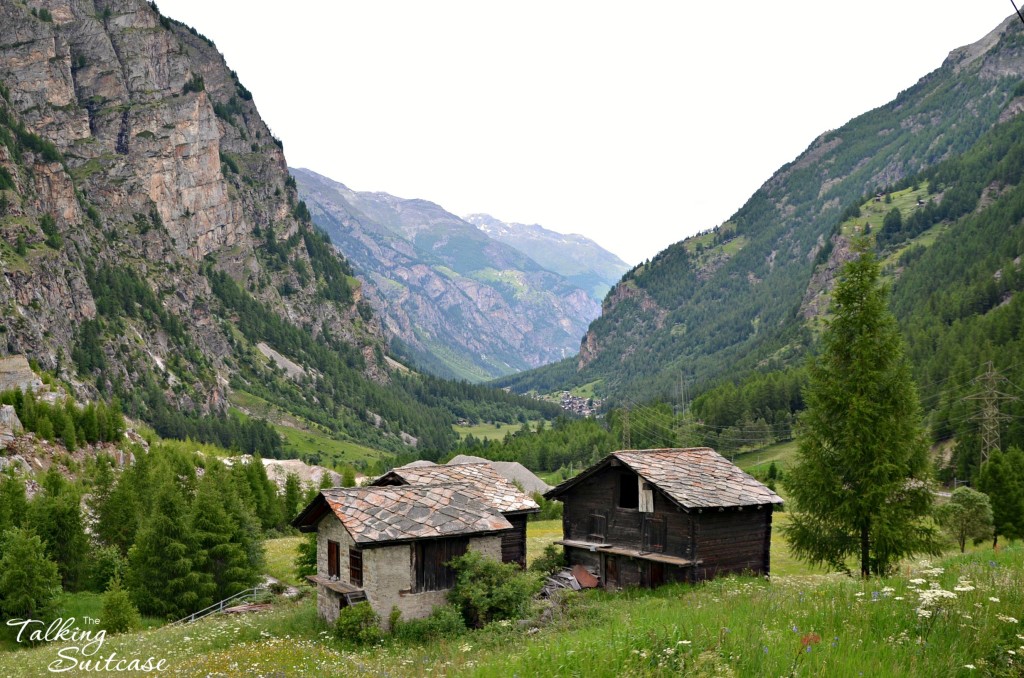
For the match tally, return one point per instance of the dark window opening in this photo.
(355, 566)
(598, 527)
(431, 558)
(629, 492)
(333, 559)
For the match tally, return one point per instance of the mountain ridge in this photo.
(459, 302)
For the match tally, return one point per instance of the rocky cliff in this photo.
(459, 302)
(130, 154)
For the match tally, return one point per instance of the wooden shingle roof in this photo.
(694, 477)
(378, 515)
(480, 481)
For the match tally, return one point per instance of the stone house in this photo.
(485, 485)
(646, 517)
(389, 545)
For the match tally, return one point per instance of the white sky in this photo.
(636, 124)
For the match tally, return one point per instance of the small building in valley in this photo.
(390, 545)
(482, 482)
(646, 517)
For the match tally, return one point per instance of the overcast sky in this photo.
(636, 124)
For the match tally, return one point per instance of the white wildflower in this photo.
(917, 582)
(1007, 619)
(993, 599)
(923, 613)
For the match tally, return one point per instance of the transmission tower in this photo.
(989, 416)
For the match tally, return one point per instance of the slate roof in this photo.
(374, 515)
(695, 477)
(512, 470)
(480, 481)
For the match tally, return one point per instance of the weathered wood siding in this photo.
(624, 527)
(733, 541)
(513, 542)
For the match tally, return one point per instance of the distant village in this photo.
(585, 407)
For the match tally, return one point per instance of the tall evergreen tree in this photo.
(220, 544)
(291, 497)
(860, 482)
(162, 576)
(1002, 479)
(13, 504)
(56, 516)
(29, 582)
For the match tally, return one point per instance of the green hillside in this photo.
(728, 302)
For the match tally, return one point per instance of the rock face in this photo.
(15, 373)
(126, 144)
(582, 261)
(10, 425)
(461, 303)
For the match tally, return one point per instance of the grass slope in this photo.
(735, 626)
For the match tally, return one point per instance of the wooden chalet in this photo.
(389, 545)
(485, 485)
(646, 517)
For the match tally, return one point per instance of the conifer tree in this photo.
(56, 516)
(29, 582)
(13, 504)
(118, 614)
(162, 576)
(291, 497)
(860, 481)
(220, 551)
(1002, 479)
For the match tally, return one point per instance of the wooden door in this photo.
(655, 574)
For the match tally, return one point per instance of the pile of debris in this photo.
(574, 579)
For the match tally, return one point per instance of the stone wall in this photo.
(387, 574)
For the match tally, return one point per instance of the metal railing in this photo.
(222, 605)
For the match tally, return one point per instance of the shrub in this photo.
(445, 622)
(552, 560)
(549, 509)
(194, 84)
(118, 614)
(358, 624)
(486, 590)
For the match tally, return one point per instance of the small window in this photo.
(598, 527)
(333, 559)
(355, 566)
(629, 491)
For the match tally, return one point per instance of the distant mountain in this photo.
(742, 298)
(456, 301)
(581, 260)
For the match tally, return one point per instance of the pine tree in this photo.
(860, 481)
(55, 515)
(13, 504)
(219, 553)
(118, 614)
(29, 582)
(162, 576)
(1002, 479)
(291, 497)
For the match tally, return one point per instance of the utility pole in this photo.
(989, 415)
